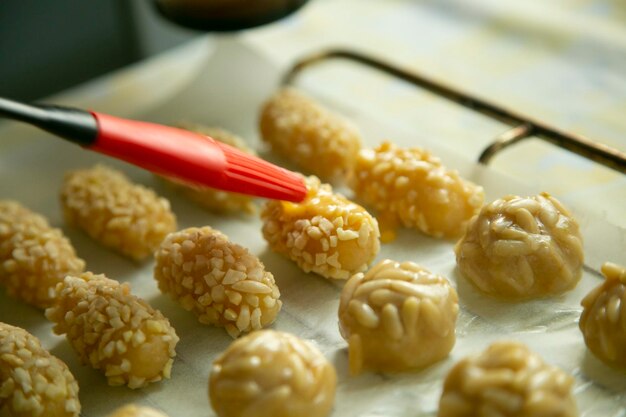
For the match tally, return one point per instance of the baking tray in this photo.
(226, 88)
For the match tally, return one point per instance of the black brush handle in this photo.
(75, 125)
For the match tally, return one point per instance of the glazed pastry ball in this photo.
(396, 317)
(113, 330)
(211, 198)
(128, 218)
(411, 187)
(33, 383)
(132, 410)
(603, 320)
(507, 380)
(272, 374)
(522, 247)
(307, 134)
(326, 233)
(220, 281)
(34, 257)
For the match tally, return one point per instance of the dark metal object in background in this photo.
(49, 46)
(225, 16)
(523, 126)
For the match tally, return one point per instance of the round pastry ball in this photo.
(507, 380)
(397, 316)
(272, 374)
(522, 247)
(603, 321)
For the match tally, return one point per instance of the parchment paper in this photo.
(227, 91)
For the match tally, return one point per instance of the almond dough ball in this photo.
(396, 317)
(132, 410)
(326, 233)
(272, 374)
(507, 380)
(522, 247)
(220, 281)
(33, 383)
(114, 331)
(412, 188)
(603, 320)
(128, 218)
(302, 131)
(210, 198)
(34, 257)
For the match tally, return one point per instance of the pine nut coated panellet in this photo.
(128, 218)
(34, 257)
(307, 134)
(272, 374)
(113, 331)
(411, 187)
(522, 247)
(507, 380)
(33, 383)
(210, 198)
(220, 281)
(326, 233)
(132, 410)
(603, 320)
(396, 317)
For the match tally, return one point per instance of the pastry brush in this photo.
(164, 150)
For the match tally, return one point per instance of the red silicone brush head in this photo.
(251, 175)
(194, 158)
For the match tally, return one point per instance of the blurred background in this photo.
(562, 61)
(48, 46)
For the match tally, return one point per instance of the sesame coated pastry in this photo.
(272, 374)
(326, 233)
(603, 320)
(34, 257)
(411, 187)
(113, 330)
(522, 247)
(220, 281)
(128, 218)
(33, 383)
(132, 410)
(396, 317)
(210, 198)
(507, 380)
(307, 134)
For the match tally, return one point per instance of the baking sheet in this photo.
(227, 92)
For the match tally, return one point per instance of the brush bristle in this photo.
(254, 174)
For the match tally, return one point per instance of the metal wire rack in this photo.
(522, 126)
